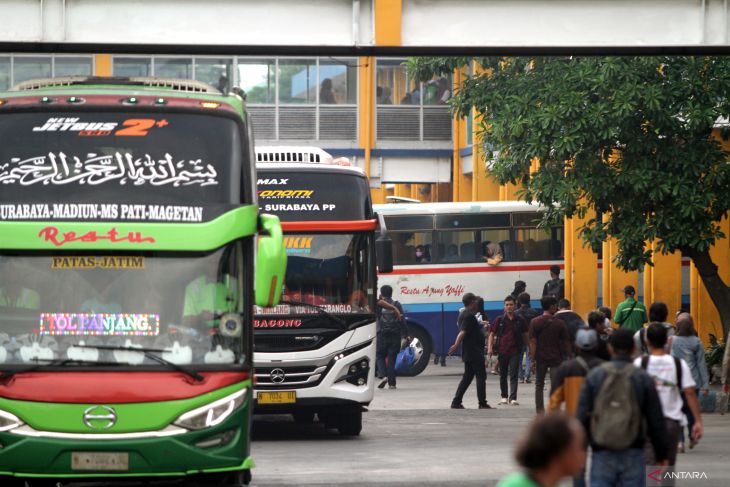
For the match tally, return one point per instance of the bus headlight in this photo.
(9, 421)
(211, 414)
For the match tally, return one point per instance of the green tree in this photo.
(633, 138)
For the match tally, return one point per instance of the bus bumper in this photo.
(173, 456)
(332, 390)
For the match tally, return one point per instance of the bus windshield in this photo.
(59, 306)
(329, 271)
(111, 157)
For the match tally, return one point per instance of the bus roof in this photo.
(114, 85)
(307, 167)
(455, 208)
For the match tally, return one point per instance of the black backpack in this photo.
(389, 323)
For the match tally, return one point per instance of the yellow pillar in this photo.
(615, 279)
(487, 188)
(707, 319)
(663, 281)
(388, 15)
(581, 267)
(103, 65)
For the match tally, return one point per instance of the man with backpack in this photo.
(549, 345)
(471, 335)
(674, 384)
(511, 333)
(616, 400)
(555, 287)
(392, 330)
(630, 313)
(571, 374)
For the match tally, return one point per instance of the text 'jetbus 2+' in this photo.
(315, 352)
(127, 231)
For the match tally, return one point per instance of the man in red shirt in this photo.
(510, 332)
(549, 345)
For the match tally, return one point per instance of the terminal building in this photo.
(400, 131)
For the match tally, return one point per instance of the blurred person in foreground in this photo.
(552, 449)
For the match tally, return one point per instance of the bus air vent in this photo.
(185, 85)
(293, 154)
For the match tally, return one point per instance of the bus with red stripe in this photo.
(315, 352)
(440, 252)
(129, 236)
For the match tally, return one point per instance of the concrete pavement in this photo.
(411, 437)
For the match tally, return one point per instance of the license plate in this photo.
(99, 461)
(286, 397)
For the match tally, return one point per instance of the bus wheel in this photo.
(421, 341)
(350, 423)
(303, 417)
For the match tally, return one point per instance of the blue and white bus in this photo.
(439, 252)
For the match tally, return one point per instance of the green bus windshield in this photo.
(57, 307)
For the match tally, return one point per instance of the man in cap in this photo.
(630, 314)
(572, 373)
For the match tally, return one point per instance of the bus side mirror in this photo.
(384, 254)
(270, 262)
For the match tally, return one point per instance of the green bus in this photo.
(132, 252)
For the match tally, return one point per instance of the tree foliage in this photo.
(630, 137)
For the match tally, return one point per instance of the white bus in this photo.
(439, 252)
(315, 353)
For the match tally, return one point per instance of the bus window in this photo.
(412, 248)
(538, 243)
(457, 246)
(499, 236)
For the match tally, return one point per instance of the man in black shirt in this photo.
(471, 335)
(597, 321)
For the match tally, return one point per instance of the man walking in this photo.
(672, 378)
(549, 345)
(572, 319)
(511, 333)
(597, 322)
(555, 287)
(616, 401)
(630, 313)
(471, 335)
(571, 374)
(527, 313)
(391, 331)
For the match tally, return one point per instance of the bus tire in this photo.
(423, 342)
(350, 423)
(303, 417)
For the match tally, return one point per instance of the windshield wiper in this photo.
(51, 363)
(319, 309)
(150, 353)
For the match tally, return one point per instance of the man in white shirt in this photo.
(662, 368)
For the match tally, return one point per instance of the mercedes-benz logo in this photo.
(100, 417)
(277, 376)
